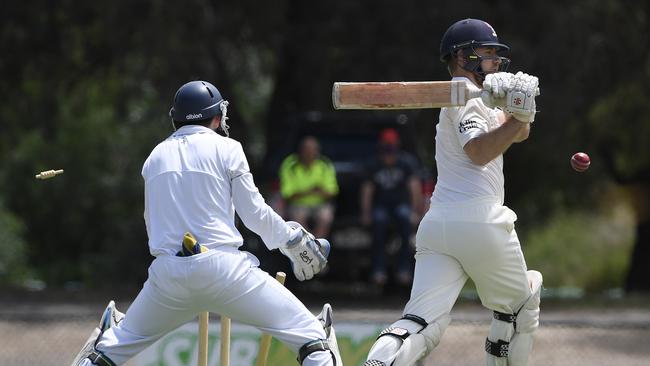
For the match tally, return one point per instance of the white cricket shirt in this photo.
(195, 180)
(458, 178)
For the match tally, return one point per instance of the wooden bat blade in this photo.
(401, 95)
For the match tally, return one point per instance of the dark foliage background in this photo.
(86, 86)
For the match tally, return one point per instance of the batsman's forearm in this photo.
(490, 145)
(523, 134)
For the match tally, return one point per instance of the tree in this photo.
(88, 87)
(621, 122)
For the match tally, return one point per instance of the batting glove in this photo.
(305, 253)
(520, 97)
(495, 89)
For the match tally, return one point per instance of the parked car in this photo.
(349, 140)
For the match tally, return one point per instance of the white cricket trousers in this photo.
(474, 238)
(224, 280)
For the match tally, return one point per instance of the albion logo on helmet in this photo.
(194, 116)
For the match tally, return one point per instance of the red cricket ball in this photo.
(580, 162)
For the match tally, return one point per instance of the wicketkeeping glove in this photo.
(307, 255)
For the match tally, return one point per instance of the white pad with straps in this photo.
(421, 344)
(511, 340)
(406, 341)
(327, 321)
(110, 317)
(81, 359)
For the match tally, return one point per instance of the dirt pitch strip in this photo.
(50, 334)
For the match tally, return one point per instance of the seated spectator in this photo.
(308, 185)
(391, 193)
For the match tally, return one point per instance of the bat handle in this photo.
(474, 92)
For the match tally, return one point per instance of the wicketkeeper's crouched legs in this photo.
(315, 352)
(227, 282)
(144, 323)
(285, 318)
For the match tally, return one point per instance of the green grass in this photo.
(584, 250)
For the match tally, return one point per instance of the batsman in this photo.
(194, 182)
(468, 232)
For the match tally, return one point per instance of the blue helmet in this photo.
(196, 100)
(469, 33)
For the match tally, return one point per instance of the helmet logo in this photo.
(494, 33)
(194, 116)
(517, 101)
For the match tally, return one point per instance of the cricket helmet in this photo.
(468, 33)
(196, 100)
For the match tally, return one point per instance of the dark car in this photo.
(349, 140)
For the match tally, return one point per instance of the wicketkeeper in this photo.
(468, 232)
(195, 181)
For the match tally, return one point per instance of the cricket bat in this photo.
(402, 95)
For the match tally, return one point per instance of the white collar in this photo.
(192, 129)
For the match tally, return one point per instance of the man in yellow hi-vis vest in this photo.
(308, 185)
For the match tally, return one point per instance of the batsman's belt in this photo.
(190, 246)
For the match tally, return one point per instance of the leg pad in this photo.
(311, 347)
(97, 358)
